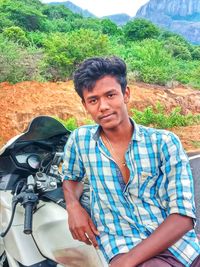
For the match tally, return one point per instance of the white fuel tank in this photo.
(54, 240)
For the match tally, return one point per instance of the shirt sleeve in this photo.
(179, 180)
(72, 168)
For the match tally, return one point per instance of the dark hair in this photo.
(93, 69)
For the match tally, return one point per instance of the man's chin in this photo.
(109, 125)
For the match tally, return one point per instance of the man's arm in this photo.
(168, 233)
(180, 207)
(80, 224)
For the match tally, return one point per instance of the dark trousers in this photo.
(165, 259)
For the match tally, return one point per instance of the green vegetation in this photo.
(45, 42)
(140, 29)
(156, 117)
(70, 124)
(159, 118)
(195, 143)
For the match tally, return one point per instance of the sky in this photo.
(97, 7)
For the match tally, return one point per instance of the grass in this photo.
(195, 143)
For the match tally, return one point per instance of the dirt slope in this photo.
(23, 101)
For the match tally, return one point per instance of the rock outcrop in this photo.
(180, 16)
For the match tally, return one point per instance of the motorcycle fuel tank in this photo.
(53, 237)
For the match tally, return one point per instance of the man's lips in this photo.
(107, 116)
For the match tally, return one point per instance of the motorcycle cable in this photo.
(3, 234)
(17, 198)
(14, 204)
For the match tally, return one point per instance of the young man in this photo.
(141, 188)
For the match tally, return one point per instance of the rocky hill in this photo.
(180, 16)
(119, 19)
(74, 8)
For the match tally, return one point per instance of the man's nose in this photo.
(103, 104)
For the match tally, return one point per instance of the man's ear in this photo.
(127, 95)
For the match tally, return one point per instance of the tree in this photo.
(23, 13)
(178, 47)
(57, 12)
(65, 52)
(196, 53)
(15, 34)
(109, 27)
(140, 29)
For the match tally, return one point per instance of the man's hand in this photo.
(81, 226)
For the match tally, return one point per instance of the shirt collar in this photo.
(137, 132)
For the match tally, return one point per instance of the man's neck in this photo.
(122, 132)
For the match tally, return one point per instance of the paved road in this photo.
(195, 165)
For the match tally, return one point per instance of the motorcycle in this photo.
(33, 226)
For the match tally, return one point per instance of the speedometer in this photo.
(33, 161)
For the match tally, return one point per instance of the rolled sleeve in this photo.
(72, 168)
(179, 180)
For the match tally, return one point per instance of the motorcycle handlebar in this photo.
(28, 218)
(29, 204)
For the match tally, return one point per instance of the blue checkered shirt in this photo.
(160, 184)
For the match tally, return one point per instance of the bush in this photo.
(18, 63)
(16, 34)
(159, 119)
(36, 38)
(109, 27)
(178, 48)
(25, 14)
(188, 73)
(70, 124)
(196, 53)
(140, 29)
(65, 52)
(150, 61)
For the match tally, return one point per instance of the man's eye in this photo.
(111, 95)
(93, 101)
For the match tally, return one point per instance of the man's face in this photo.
(106, 103)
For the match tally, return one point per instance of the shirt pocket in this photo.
(147, 185)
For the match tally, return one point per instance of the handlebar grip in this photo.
(28, 218)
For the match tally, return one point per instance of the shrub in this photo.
(150, 61)
(196, 53)
(140, 29)
(18, 63)
(15, 34)
(109, 27)
(36, 38)
(158, 118)
(71, 123)
(65, 52)
(179, 50)
(188, 73)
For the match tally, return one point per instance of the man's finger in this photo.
(92, 238)
(93, 228)
(84, 238)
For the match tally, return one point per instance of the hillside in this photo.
(23, 101)
(179, 16)
(74, 8)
